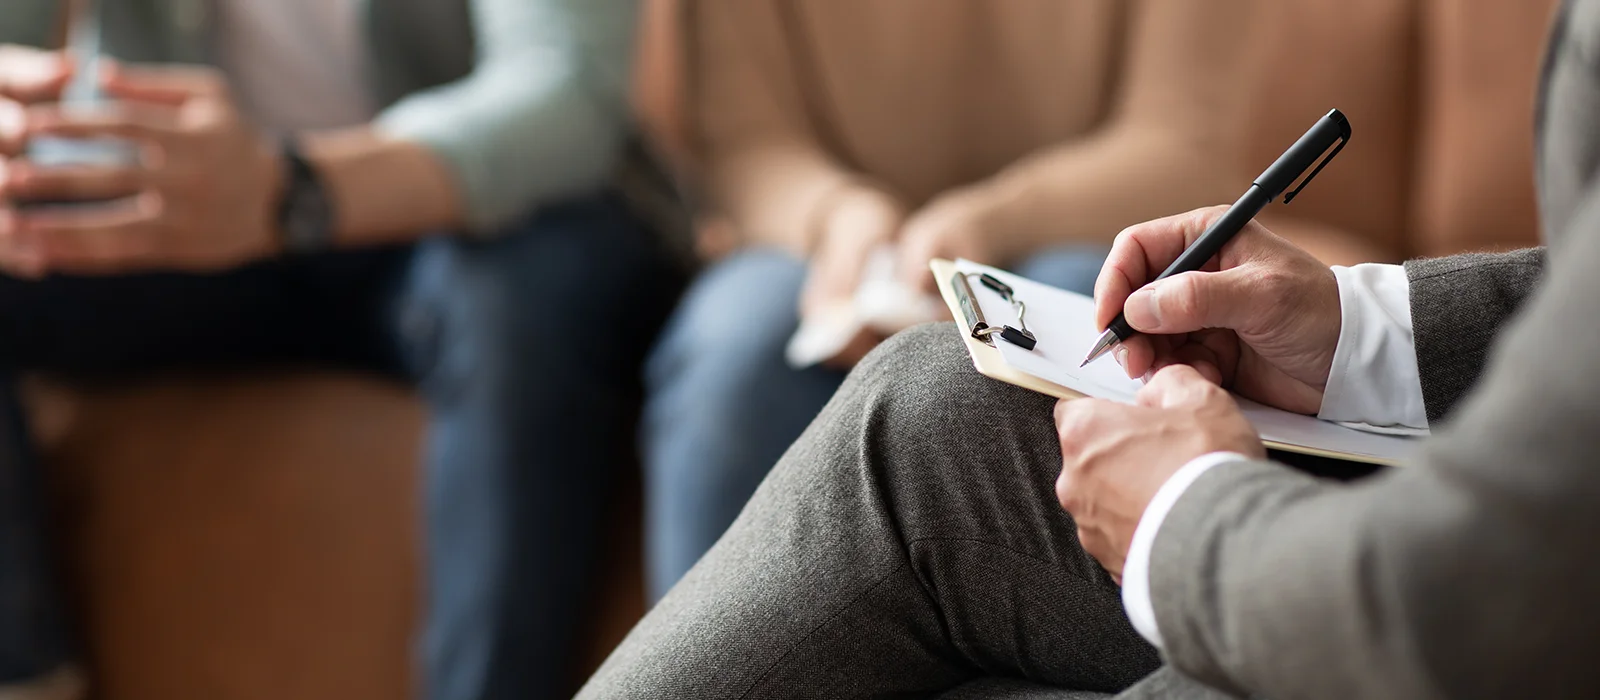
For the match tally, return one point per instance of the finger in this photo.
(93, 239)
(27, 182)
(1222, 348)
(13, 129)
(162, 84)
(1138, 354)
(22, 265)
(21, 261)
(1141, 252)
(1177, 386)
(913, 267)
(125, 120)
(1079, 420)
(1098, 545)
(1061, 405)
(1164, 347)
(28, 75)
(1066, 487)
(911, 262)
(1194, 355)
(18, 257)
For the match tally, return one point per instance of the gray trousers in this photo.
(908, 545)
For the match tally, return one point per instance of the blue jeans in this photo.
(529, 425)
(724, 405)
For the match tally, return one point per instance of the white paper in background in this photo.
(882, 303)
(1063, 322)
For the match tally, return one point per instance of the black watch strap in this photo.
(305, 213)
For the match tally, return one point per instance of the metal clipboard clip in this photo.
(973, 313)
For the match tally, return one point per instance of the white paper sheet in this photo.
(1063, 322)
(882, 304)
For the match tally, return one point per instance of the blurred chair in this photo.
(245, 538)
(236, 538)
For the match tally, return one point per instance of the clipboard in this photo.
(985, 356)
(989, 360)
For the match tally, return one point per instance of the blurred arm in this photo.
(659, 89)
(541, 117)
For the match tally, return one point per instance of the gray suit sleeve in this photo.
(1458, 304)
(1468, 572)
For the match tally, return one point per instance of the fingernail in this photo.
(1140, 310)
(1121, 356)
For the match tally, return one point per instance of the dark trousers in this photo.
(526, 345)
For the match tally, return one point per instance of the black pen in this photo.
(1332, 128)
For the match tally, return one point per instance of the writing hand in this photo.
(1262, 318)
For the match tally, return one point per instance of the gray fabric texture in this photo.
(1458, 304)
(910, 542)
(1011, 689)
(1468, 572)
(1166, 682)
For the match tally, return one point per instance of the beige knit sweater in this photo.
(1090, 115)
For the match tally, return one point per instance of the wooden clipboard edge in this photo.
(989, 363)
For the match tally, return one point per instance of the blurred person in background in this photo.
(1023, 134)
(416, 189)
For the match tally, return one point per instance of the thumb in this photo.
(912, 254)
(1194, 301)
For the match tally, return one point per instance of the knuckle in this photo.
(1125, 237)
(1216, 397)
(1198, 219)
(1067, 489)
(1158, 386)
(1072, 421)
(1205, 215)
(1274, 282)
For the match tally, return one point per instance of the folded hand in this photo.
(1115, 456)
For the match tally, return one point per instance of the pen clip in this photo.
(1342, 141)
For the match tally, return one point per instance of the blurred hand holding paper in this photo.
(882, 304)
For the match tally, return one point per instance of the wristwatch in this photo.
(305, 213)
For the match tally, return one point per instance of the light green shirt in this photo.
(524, 100)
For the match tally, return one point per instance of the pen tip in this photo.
(1101, 347)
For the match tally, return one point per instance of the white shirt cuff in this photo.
(1136, 600)
(1374, 379)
